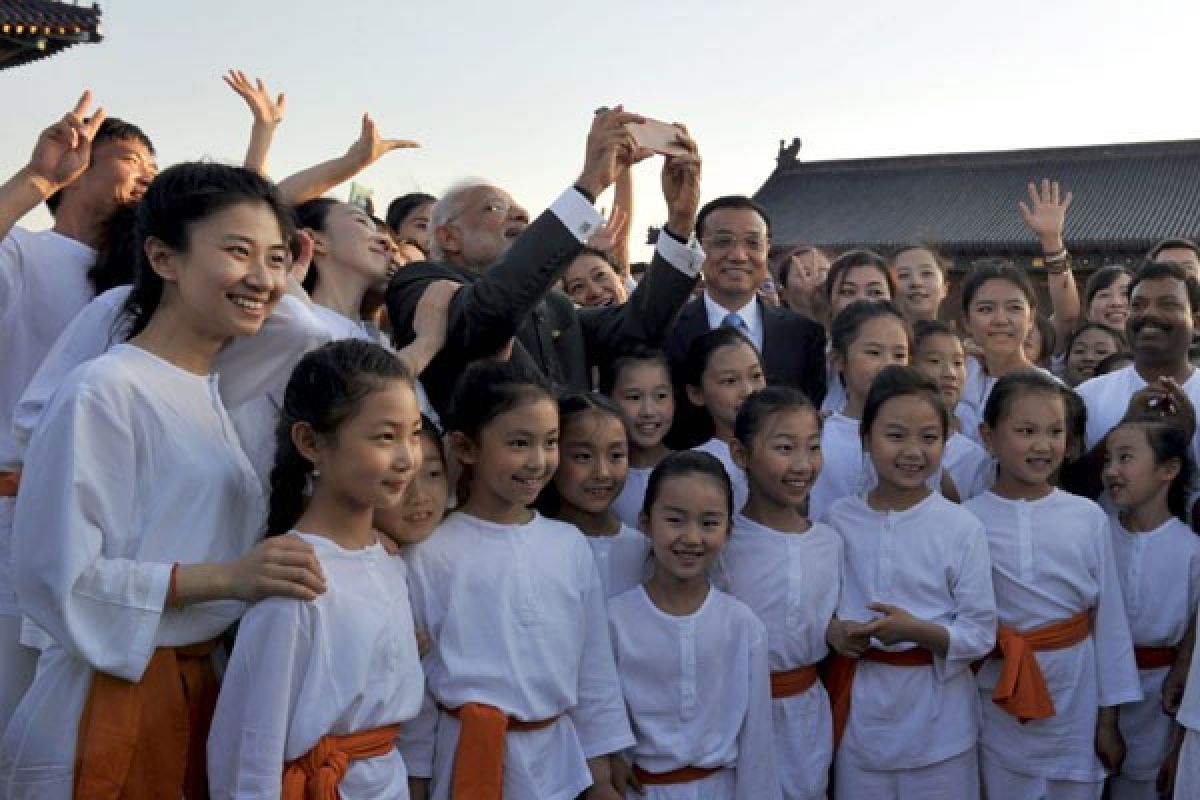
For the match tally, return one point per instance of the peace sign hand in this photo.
(64, 150)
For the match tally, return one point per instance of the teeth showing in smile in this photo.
(247, 303)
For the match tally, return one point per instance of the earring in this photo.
(309, 478)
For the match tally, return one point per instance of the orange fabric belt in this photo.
(681, 775)
(839, 679)
(9, 483)
(479, 758)
(146, 740)
(1154, 657)
(793, 681)
(1021, 688)
(317, 774)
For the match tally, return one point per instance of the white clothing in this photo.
(1051, 559)
(698, 690)
(956, 778)
(968, 422)
(835, 390)
(135, 466)
(971, 469)
(1187, 774)
(791, 581)
(1002, 783)
(750, 313)
(343, 663)
(1107, 398)
(1159, 572)
(620, 559)
(517, 619)
(737, 476)
(976, 391)
(844, 465)
(930, 560)
(628, 505)
(342, 327)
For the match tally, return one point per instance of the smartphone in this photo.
(657, 136)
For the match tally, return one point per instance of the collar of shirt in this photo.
(750, 313)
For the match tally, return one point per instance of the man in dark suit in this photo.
(509, 268)
(735, 232)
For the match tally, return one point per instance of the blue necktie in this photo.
(735, 321)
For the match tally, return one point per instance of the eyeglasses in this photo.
(493, 205)
(727, 241)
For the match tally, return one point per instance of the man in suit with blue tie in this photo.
(735, 232)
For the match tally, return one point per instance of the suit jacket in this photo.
(793, 350)
(516, 297)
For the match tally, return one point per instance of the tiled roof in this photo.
(1126, 196)
(33, 29)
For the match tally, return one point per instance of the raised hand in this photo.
(608, 236)
(266, 111)
(64, 150)
(681, 185)
(1046, 214)
(610, 148)
(1164, 398)
(370, 146)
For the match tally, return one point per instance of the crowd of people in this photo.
(301, 502)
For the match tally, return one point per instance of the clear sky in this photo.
(506, 89)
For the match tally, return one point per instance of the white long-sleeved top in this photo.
(737, 476)
(844, 466)
(1051, 559)
(1107, 398)
(135, 466)
(628, 505)
(620, 559)
(343, 663)
(932, 561)
(969, 466)
(792, 582)
(517, 619)
(698, 692)
(1159, 572)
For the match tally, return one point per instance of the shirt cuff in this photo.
(686, 257)
(574, 211)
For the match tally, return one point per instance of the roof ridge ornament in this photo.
(789, 153)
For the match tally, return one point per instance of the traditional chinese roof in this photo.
(1126, 197)
(33, 29)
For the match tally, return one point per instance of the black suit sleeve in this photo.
(812, 382)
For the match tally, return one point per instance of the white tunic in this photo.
(135, 466)
(737, 476)
(1051, 559)
(1159, 572)
(628, 505)
(621, 559)
(932, 561)
(969, 466)
(835, 390)
(517, 619)
(699, 694)
(343, 663)
(844, 466)
(791, 581)
(1107, 398)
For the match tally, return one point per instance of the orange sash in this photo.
(793, 681)
(317, 774)
(1154, 657)
(479, 758)
(1021, 688)
(839, 679)
(681, 775)
(146, 740)
(9, 483)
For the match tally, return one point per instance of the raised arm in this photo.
(62, 153)
(1046, 215)
(267, 114)
(366, 150)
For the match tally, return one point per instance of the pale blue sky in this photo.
(506, 89)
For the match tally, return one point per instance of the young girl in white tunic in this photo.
(692, 659)
(1066, 658)
(641, 386)
(917, 582)
(867, 336)
(1146, 471)
(788, 570)
(315, 692)
(593, 460)
(721, 369)
(138, 517)
(425, 503)
(524, 697)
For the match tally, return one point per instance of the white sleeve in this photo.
(248, 740)
(77, 493)
(417, 738)
(757, 774)
(972, 633)
(1116, 671)
(10, 272)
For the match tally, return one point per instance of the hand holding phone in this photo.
(658, 136)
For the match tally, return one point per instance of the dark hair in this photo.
(1111, 361)
(1154, 270)
(326, 388)
(635, 356)
(488, 389)
(112, 129)
(607, 258)
(403, 206)
(701, 350)
(898, 381)
(1001, 269)
(1168, 441)
(570, 406)
(1172, 244)
(688, 462)
(313, 214)
(857, 258)
(1076, 416)
(431, 431)
(116, 262)
(178, 198)
(736, 201)
(1117, 336)
(1013, 385)
(693, 425)
(1049, 336)
(927, 328)
(939, 260)
(766, 403)
(850, 320)
(1100, 280)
